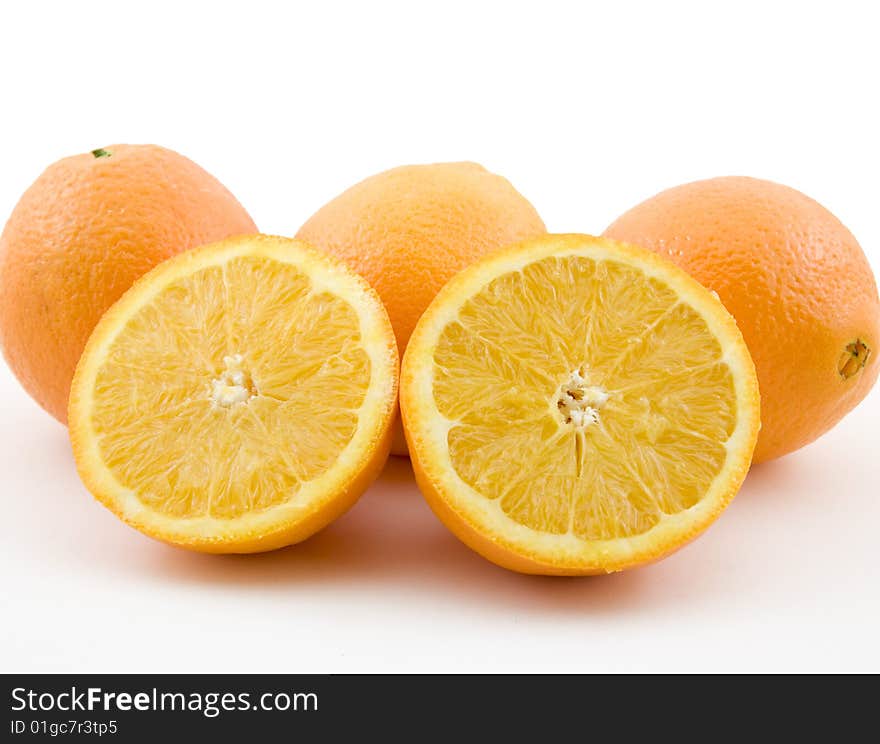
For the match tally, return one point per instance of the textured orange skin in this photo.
(794, 278)
(410, 229)
(78, 239)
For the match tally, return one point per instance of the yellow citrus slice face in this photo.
(238, 397)
(574, 405)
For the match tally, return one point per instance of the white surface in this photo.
(587, 109)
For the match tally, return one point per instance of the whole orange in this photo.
(410, 229)
(79, 237)
(797, 283)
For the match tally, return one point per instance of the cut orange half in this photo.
(574, 405)
(237, 398)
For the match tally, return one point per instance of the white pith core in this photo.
(579, 402)
(234, 386)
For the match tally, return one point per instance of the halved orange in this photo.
(238, 397)
(575, 405)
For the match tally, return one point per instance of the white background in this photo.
(587, 108)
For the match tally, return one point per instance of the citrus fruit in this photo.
(238, 397)
(410, 229)
(575, 405)
(796, 281)
(80, 235)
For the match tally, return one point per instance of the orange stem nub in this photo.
(853, 359)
